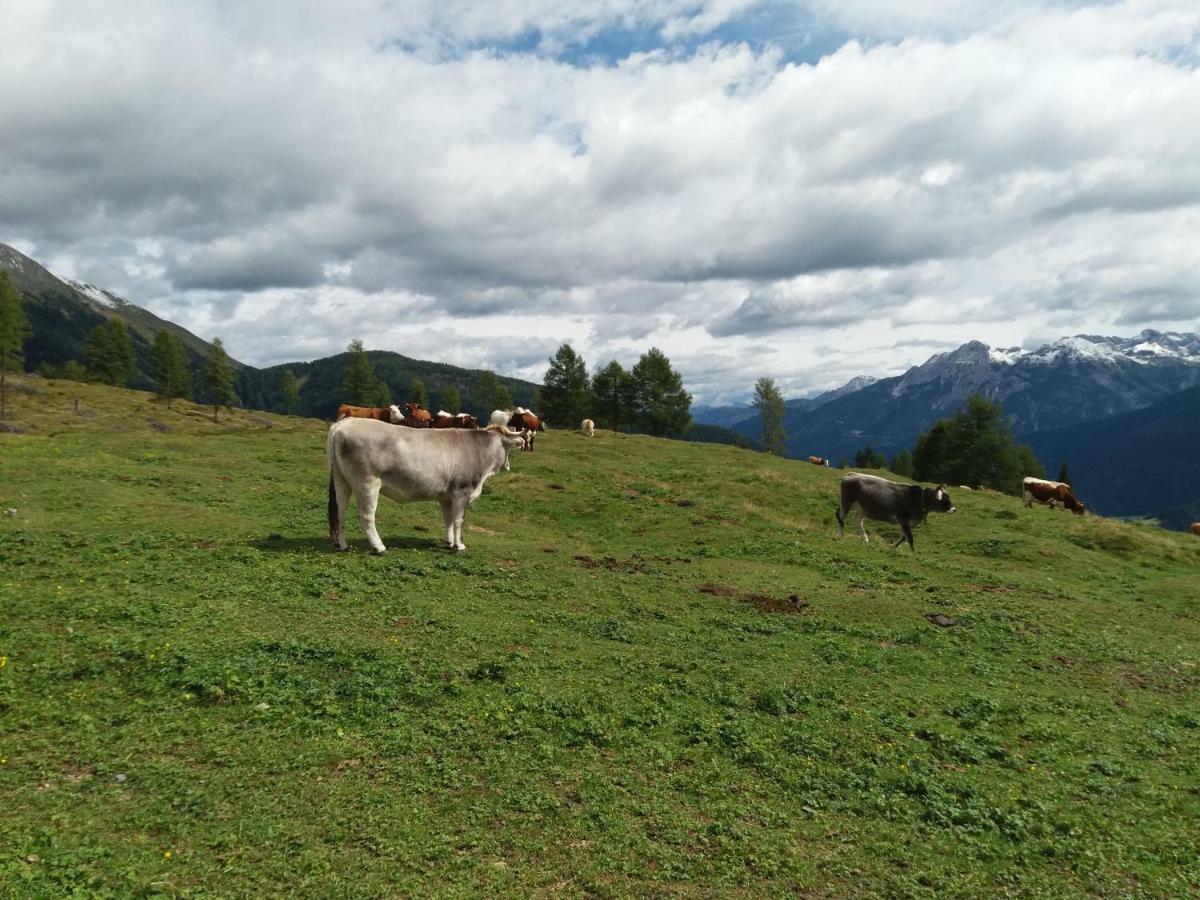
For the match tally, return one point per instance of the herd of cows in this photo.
(447, 458)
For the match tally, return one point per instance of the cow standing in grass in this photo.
(368, 458)
(889, 501)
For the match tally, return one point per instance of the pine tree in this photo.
(496, 394)
(169, 359)
(902, 463)
(218, 378)
(14, 328)
(661, 406)
(358, 379)
(612, 397)
(383, 394)
(868, 458)
(975, 447)
(565, 388)
(108, 354)
(451, 399)
(419, 393)
(769, 403)
(290, 388)
(1064, 474)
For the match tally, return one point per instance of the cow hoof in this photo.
(345, 549)
(379, 552)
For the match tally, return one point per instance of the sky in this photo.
(806, 191)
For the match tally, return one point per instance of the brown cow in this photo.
(819, 461)
(526, 420)
(1196, 529)
(416, 416)
(1051, 492)
(390, 414)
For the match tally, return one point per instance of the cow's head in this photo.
(940, 501)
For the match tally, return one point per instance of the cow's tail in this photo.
(335, 520)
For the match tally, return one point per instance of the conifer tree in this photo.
(451, 399)
(14, 328)
(661, 406)
(496, 394)
(769, 403)
(108, 353)
(358, 380)
(975, 447)
(565, 396)
(1064, 474)
(290, 388)
(419, 394)
(218, 378)
(169, 359)
(612, 396)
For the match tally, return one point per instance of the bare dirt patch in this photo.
(793, 603)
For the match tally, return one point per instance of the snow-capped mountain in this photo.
(1071, 380)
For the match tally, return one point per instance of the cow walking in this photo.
(368, 458)
(588, 427)
(889, 501)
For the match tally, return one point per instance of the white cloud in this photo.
(319, 168)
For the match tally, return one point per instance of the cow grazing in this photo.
(819, 461)
(890, 501)
(525, 420)
(367, 459)
(1051, 492)
(588, 427)
(1196, 529)
(390, 414)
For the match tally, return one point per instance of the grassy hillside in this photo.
(655, 672)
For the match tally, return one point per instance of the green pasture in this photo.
(655, 672)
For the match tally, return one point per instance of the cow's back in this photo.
(413, 464)
(881, 499)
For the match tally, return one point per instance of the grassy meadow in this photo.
(656, 671)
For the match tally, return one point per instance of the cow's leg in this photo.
(368, 499)
(341, 501)
(862, 526)
(841, 518)
(905, 535)
(459, 503)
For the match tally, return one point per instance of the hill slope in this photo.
(656, 671)
(1140, 463)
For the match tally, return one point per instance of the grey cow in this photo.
(890, 501)
(368, 458)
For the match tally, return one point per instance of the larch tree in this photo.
(290, 388)
(419, 394)
(108, 354)
(14, 329)
(769, 403)
(218, 378)
(359, 385)
(451, 399)
(495, 392)
(169, 359)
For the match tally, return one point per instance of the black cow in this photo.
(889, 501)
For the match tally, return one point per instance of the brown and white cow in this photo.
(390, 414)
(526, 420)
(1196, 529)
(368, 458)
(588, 427)
(1050, 492)
(819, 461)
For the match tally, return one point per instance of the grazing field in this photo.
(655, 671)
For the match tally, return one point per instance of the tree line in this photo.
(109, 357)
(649, 398)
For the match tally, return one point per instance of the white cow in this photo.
(368, 458)
(588, 427)
(499, 417)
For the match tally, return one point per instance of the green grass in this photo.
(189, 670)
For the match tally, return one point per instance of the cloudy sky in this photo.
(805, 190)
